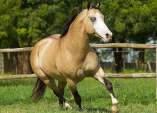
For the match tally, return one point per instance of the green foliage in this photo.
(24, 22)
(119, 26)
(134, 20)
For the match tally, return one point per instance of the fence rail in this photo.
(10, 50)
(108, 75)
(124, 45)
(108, 45)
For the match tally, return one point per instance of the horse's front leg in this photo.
(100, 76)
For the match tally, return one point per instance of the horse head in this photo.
(94, 23)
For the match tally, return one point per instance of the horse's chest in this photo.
(68, 68)
(78, 66)
(69, 63)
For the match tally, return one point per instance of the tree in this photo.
(131, 20)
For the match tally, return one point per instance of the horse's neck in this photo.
(76, 40)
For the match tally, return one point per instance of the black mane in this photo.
(75, 12)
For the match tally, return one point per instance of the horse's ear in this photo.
(98, 5)
(93, 5)
(90, 5)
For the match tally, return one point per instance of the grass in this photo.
(135, 96)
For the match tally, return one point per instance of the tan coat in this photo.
(69, 57)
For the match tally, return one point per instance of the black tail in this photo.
(38, 90)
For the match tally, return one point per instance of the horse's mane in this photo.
(75, 12)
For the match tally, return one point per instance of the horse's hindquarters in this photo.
(43, 55)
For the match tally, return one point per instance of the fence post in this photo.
(156, 71)
(1, 63)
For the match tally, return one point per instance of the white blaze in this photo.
(100, 28)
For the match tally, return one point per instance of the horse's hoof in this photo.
(67, 106)
(80, 109)
(114, 109)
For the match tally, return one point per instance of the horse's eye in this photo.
(93, 19)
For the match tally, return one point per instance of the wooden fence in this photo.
(108, 45)
(108, 75)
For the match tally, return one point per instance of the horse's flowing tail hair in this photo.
(38, 90)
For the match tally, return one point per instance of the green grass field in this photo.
(135, 96)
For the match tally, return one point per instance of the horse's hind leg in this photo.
(59, 92)
(100, 76)
(45, 81)
(40, 86)
(77, 97)
(38, 90)
(62, 101)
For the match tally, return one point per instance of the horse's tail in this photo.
(38, 90)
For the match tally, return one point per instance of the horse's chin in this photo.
(103, 38)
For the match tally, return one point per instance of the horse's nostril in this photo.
(107, 35)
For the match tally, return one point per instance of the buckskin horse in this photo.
(66, 59)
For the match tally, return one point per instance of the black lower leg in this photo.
(109, 86)
(61, 101)
(60, 98)
(77, 98)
